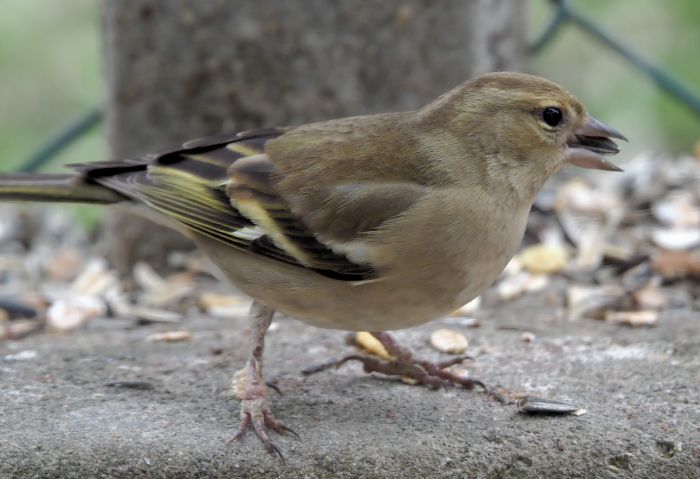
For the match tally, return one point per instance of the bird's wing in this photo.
(335, 223)
(346, 178)
(223, 187)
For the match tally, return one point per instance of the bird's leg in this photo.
(404, 364)
(249, 385)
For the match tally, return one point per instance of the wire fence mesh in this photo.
(564, 14)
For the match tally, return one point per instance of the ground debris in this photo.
(448, 341)
(170, 336)
(372, 345)
(622, 244)
(158, 291)
(74, 311)
(532, 404)
(676, 264)
(633, 318)
(130, 384)
(223, 305)
(544, 258)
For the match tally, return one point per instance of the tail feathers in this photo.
(55, 188)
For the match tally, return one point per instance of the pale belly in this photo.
(422, 278)
(395, 302)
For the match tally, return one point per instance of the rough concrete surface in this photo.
(58, 418)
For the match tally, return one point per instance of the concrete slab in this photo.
(58, 418)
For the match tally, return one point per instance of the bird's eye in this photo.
(552, 116)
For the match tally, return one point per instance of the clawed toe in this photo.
(277, 426)
(275, 388)
(416, 371)
(426, 373)
(260, 419)
(454, 361)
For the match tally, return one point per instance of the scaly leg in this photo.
(249, 385)
(404, 364)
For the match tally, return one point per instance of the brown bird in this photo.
(371, 223)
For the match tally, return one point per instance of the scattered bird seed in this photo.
(170, 336)
(146, 277)
(74, 311)
(16, 309)
(531, 404)
(544, 259)
(676, 264)
(152, 315)
(468, 308)
(95, 279)
(587, 302)
(223, 305)
(633, 318)
(448, 341)
(650, 296)
(25, 355)
(372, 345)
(677, 239)
(18, 328)
(527, 337)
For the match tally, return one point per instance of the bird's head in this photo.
(522, 128)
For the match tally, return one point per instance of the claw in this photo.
(292, 432)
(267, 443)
(260, 421)
(273, 449)
(277, 426)
(245, 424)
(320, 367)
(352, 357)
(275, 388)
(497, 396)
(453, 361)
(284, 429)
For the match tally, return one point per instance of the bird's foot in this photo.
(404, 365)
(432, 375)
(255, 410)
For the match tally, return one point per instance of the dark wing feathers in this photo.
(251, 189)
(256, 138)
(198, 185)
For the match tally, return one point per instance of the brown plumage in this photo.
(366, 223)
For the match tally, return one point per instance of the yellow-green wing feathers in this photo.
(251, 190)
(220, 187)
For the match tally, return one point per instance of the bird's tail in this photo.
(55, 188)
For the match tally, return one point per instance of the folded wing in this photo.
(222, 187)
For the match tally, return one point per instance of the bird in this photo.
(368, 223)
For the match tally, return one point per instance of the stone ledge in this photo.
(639, 386)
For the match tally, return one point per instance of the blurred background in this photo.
(600, 307)
(51, 72)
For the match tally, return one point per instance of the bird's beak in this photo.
(588, 144)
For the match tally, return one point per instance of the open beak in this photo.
(590, 142)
